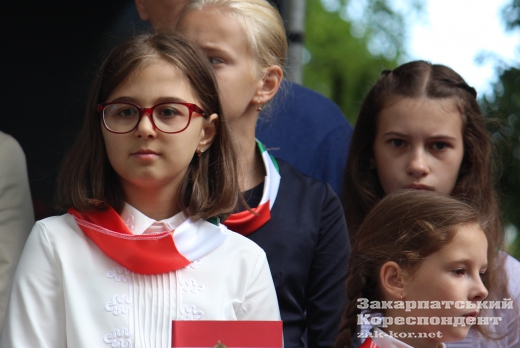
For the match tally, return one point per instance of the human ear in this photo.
(208, 132)
(141, 9)
(392, 279)
(269, 85)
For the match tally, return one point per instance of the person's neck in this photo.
(251, 169)
(158, 203)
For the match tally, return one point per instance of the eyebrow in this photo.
(438, 137)
(210, 48)
(157, 101)
(466, 261)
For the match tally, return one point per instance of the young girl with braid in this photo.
(420, 127)
(416, 247)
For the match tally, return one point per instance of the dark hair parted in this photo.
(420, 79)
(88, 182)
(404, 227)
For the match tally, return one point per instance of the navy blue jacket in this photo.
(308, 131)
(307, 246)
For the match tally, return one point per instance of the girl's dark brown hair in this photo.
(404, 227)
(88, 182)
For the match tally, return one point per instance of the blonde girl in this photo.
(298, 220)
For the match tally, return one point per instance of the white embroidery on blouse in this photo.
(119, 274)
(195, 264)
(191, 285)
(119, 304)
(119, 338)
(190, 312)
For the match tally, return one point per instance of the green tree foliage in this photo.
(347, 54)
(503, 108)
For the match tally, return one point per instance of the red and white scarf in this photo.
(151, 253)
(244, 222)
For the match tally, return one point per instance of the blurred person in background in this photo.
(16, 213)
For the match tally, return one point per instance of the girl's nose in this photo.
(145, 127)
(479, 291)
(418, 164)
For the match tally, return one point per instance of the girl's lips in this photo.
(145, 154)
(472, 314)
(419, 187)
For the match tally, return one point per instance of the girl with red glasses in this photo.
(147, 184)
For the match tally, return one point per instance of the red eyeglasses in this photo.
(170, 117)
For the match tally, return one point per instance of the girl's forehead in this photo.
(421, 111)
(469, 243)
(157, 63)
(449, 104)
(155, 78)
(163, 67)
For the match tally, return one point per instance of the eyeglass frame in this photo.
(149, 112)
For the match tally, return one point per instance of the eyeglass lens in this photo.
(169, 117)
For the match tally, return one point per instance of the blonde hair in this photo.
(262, 24)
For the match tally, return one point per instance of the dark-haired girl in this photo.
(146, 184)
(420, 127)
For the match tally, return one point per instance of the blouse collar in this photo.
(138, 223)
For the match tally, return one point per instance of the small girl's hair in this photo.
(418, 79)
(404, 227)
(88, 182)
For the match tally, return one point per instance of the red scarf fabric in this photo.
(152, 253)
(244, 222)
(368, 344)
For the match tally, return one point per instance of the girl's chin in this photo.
(456, 334)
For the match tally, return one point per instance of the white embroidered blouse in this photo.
(68, 293)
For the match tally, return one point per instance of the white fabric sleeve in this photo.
(36, 313)
(16, 213)
(260, 301)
